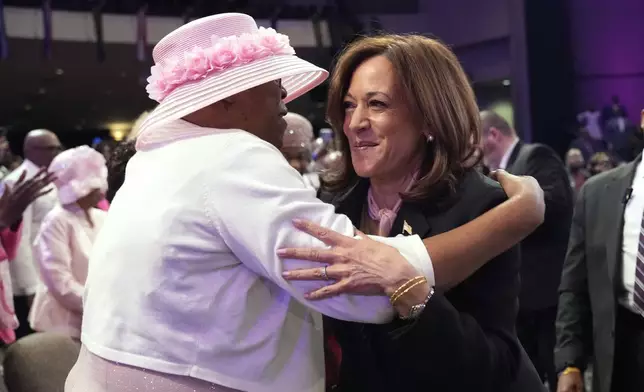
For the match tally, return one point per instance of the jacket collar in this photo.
(411, 219)
(514, 154)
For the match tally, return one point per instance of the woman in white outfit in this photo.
(185, 289)
(65, 240)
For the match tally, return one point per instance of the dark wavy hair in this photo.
(116, 167)
(440, 97)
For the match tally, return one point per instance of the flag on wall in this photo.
(141, 33)
(97, 15)
(4, 44)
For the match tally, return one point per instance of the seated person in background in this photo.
(599, 163)
(296, 147)
(576, 167)
(65, 240)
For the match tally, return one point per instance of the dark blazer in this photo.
(465, 339)
(543, 252)
(588, 299)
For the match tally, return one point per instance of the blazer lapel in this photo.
(353, 201)
(411, 218)
(618, 187)
(514, 155)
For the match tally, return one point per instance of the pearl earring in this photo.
(430, 138)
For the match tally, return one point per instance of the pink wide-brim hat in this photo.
(78, 172)
(215, 57)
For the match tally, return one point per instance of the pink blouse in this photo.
(9, 240)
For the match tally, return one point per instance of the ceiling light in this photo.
(59, 71)
(506, 82)
(118, 130)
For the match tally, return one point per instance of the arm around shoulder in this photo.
(252, 204)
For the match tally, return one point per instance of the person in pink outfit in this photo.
(13, 203)
(65, 240)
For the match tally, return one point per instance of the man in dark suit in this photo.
(601, 298)
(543, 252)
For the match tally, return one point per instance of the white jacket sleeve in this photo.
(253, 203)
(54, 257)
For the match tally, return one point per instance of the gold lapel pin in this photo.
(406, 228)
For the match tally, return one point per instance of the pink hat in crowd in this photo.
(215, 57)
(299, 132)
(78, 172)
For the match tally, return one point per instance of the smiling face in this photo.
(384, 140)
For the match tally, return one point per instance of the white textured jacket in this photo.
(184, 276)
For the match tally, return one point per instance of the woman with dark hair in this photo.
(409, 124)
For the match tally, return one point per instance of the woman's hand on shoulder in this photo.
(351, 265)
(525, 191)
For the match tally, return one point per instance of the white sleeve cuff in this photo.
(413, 250)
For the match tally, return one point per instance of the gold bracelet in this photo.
(393, 300)
(570, 370)
(404, 285)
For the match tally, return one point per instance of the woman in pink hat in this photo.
(185, 289)
(64, 243)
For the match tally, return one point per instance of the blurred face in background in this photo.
(600, 163)
(5, 152)
(575, 160)
(43, 149)
(91, 200)
(493, 151)
(297, 158)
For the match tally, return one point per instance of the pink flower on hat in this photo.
(197, 64)
(157, 87)
(251, 50)
(224, 54)
(274, 42)
(175, 72)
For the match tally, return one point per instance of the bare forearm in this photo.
(460, 252)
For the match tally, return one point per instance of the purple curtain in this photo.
(4, 44)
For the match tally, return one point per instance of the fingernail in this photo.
(297, 222)
(308, 296)
(281, 252)
(286, 274)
